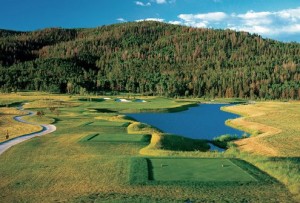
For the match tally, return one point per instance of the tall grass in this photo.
(275, 125)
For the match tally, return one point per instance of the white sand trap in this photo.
(123, 100)
(106, 98)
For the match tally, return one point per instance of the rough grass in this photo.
(59, 167)
(21, 97)
(50, 102)
(39, 119)
(14, 128)
(279, 124)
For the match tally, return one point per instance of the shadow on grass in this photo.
(150, 169)
(56, 120)
(103, 110)
(255, 172)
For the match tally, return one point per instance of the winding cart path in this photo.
(46, 129)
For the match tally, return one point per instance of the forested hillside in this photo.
(150, 58)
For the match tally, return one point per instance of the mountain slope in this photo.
(151, 58)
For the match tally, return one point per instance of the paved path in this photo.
(46, 130)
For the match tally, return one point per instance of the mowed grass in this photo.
(105, 123)
(154, 104)
(118, 138)
(183, 169)
(60, 167)
(109, 131)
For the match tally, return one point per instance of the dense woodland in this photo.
(150, 58)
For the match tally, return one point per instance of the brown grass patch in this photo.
(275, 127)
(14, 128)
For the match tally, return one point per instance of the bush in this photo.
(178, 143)
(226, 138)
(223, 140)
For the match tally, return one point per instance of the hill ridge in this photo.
(151, 58)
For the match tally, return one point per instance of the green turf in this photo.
(64, 167)
(109, 123)
(101, 129)
(153, 104)
(106, 137)
(182, 169)
(139, 170)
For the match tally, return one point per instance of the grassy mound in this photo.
(137, 127)
(167, 141)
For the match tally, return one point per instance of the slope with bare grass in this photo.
(274, 144)
(275, 125)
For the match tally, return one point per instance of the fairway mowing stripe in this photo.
(243, 170)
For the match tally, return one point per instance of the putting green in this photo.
(183, 169)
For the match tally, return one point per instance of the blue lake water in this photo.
(205, 121)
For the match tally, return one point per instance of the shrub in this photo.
(223, 140)
(178, 143)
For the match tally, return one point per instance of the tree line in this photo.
(150, 58)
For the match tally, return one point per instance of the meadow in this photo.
(107, 157)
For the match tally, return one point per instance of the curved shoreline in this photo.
(209, 141)
(46, 129)
(257, 131)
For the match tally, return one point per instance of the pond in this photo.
(205, 121)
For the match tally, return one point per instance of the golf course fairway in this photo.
(95, 157)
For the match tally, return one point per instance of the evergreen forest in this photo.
(150, 58)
